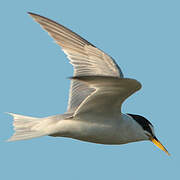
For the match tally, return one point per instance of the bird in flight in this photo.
(98, 89)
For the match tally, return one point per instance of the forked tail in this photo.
(26, 127)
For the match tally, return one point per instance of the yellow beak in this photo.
(159, 145)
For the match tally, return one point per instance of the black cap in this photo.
(143, 122)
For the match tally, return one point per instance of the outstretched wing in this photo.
(109, 94)
(86, 59)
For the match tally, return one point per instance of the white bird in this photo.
(98, 89)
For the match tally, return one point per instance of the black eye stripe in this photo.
(143, 122)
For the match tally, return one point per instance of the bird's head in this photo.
(148, 131)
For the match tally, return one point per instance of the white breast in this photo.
(119, 129)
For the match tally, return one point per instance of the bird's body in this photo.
(116, 129)
(98, 89)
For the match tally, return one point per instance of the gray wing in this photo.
(86, 59)
(109, 94)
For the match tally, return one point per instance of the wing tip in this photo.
(32, 14)
(29, 13)
(37, 16)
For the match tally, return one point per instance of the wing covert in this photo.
(109, 94)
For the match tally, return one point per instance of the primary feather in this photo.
(86, 59)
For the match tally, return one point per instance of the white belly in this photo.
(97, 131)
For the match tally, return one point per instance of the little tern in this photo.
(98, 89)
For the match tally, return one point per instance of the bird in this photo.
(97, 91)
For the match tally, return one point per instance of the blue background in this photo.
(143, 37)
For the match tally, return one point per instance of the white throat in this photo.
(130, 130)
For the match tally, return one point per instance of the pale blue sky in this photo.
(144, 39)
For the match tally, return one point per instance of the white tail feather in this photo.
(26, 127)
